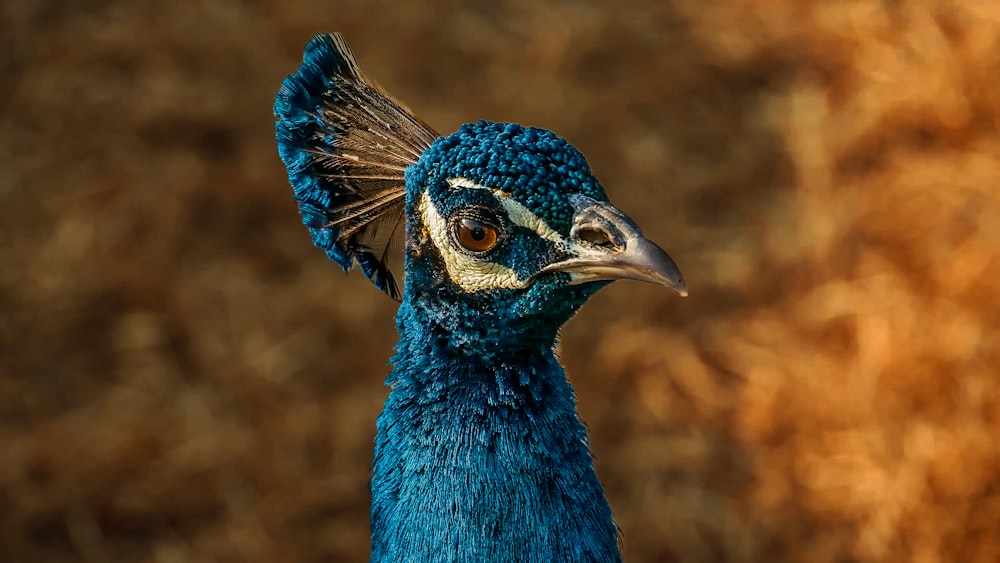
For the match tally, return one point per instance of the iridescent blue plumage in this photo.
(480, 455)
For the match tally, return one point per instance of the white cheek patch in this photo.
(516, 212)
(467, 273)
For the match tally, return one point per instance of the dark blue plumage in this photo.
(480, 455)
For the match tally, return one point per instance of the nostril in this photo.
(597, 237)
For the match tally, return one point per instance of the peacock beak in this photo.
(605, 244)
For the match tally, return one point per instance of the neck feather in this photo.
(481, 457)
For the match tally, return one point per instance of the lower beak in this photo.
(605, 244)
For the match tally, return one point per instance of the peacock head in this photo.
(510, 220)
(506, 227)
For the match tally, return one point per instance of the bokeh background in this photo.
(183, 378)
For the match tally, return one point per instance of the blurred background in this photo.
(183, 378)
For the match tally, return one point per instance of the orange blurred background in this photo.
(184, 378)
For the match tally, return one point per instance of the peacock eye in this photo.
(475, 235)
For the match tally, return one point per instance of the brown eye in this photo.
(476, 235)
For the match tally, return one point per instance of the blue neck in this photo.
(480, 456)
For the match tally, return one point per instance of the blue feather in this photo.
(482, 458)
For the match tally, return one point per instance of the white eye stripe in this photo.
(469, 274)
(516, 212)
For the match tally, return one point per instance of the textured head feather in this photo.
(346, 145)
(533, 166)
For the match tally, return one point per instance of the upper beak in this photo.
(606, 245)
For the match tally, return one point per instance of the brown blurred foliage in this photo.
(184, 378)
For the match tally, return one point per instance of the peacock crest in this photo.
(346, 145)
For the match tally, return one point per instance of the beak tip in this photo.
(678, 286)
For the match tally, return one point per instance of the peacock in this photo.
(505, 233)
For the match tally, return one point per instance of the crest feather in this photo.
(346, 145)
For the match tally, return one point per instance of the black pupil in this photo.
(478, 233)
